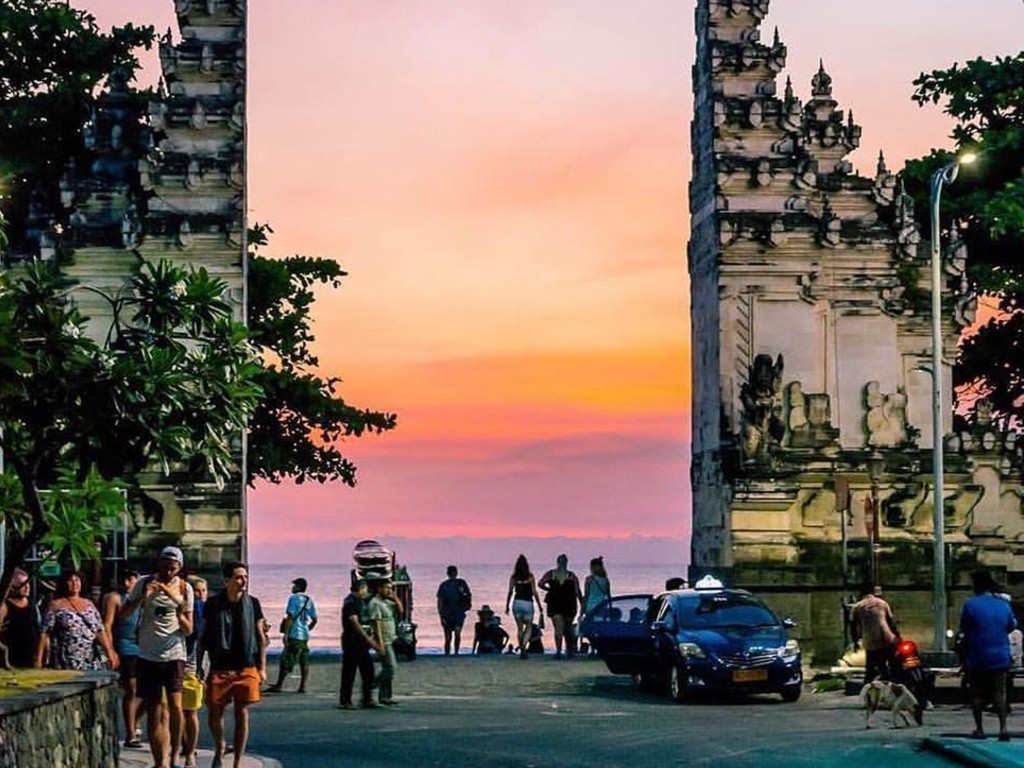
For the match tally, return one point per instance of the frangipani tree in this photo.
(171, 380)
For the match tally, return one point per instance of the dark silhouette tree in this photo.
(986, 206)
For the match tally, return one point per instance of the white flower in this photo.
(179, 289)
(72, 330)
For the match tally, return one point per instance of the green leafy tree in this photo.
(172, 380)
(986, 205)
(300, 422)
(53, 58)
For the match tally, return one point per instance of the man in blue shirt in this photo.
(300, 618)
(985, 625)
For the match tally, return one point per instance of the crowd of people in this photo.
(176, 649)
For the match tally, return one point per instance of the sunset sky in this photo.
(505, 181)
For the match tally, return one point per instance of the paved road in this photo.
(503, 712)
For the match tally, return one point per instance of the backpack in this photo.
(465, 596)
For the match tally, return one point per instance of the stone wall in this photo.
(65, 725)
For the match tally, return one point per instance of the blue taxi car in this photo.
(709, 639)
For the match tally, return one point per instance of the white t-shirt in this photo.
(160, 635)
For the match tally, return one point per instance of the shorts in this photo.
(454, 620)
(128, 669)
(987, 685)
(191, 692)
(523, 609)
(239, 686)
(157, 677)
(295, 652)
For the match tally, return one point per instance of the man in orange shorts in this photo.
(234, 638)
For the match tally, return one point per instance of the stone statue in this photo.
(762, 426)
(797, 418)
(809, 417)
(131, 228)
(983, 411)
(886, 418)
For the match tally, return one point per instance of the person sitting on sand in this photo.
(488, 634)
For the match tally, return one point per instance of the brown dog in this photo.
(881, 694)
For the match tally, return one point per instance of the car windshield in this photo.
(721, 610)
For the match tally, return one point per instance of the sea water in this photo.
(329, 584)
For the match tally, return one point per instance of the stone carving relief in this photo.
(907, 235)
(886, 418)
(185, 238)
(198, 119)
(206, 59)
(756, 8)
(762, 426)
(808, 418)
(821, 83)
(763, 173)
(131, 228)
(792, 108)
(830, 229)
(884, 189)
(193, 174)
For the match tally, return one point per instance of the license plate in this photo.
(749, 675)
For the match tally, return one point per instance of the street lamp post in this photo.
(944, 175)
(876, 466)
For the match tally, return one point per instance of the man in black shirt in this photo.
(355, 647)
(234, 637)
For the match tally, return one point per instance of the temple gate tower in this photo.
(811, 342)
(167, 180)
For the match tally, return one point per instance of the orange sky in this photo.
(506, 184)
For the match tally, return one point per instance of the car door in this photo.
(619, 630)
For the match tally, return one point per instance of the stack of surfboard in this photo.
(373, 561)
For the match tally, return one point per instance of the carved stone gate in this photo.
(811, 350)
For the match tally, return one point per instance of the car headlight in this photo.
(790, 650)
(691, 651)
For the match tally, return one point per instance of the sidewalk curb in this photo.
(971, 754)
(138, 758)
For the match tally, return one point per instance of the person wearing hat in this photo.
(488, 634)
(165, 603)
(299, 620)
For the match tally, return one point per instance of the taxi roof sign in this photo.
(709, 582)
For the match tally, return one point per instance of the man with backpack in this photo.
(299, 620)
(453, 600)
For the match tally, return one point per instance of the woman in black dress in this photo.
(563, 599)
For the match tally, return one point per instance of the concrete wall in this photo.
(65, 725)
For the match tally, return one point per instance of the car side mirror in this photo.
(788, 623)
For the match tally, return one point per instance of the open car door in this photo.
(620, 631)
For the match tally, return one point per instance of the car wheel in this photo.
(791, 693)
(676, 684)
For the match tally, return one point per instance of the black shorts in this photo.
(129, 668)
(155, 677)
(987, 685)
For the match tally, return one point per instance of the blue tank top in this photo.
(126, 631)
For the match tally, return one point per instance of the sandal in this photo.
(133, 743)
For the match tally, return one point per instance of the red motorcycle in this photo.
(909, 670)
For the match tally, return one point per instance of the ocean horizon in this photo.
(329, 583)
